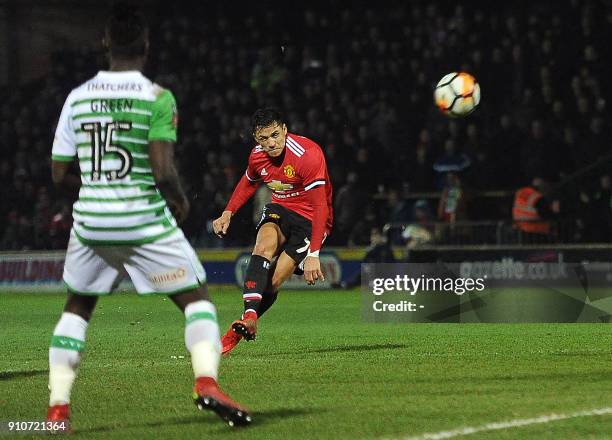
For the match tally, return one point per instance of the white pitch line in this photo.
(516, 423)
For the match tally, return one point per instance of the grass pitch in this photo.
(315, 371)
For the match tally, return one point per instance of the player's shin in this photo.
(267, 300)
(202, 338)
(256, 279)
(67, 345)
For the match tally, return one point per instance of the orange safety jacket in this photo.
(525, 213)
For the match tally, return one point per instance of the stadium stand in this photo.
(360, 83)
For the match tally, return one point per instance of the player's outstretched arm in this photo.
(221, 224)
(242, 193)
(312, 264)
(161, 155)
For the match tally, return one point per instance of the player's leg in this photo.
(88, 274)
(296, 229)
(65, 351)
(282, 270)
(289, 262)
(201, 330)
(271, 237)
(202, 342)
(269, 295)
(269, 240)
(235, 333)
(170, 266)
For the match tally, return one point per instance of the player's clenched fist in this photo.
(222, 223)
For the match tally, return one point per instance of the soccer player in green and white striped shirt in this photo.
(121, 128)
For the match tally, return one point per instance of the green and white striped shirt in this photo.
(107, 123)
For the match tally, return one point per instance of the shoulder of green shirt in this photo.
(163, 117)
(164, 99)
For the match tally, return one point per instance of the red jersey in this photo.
(300, 168)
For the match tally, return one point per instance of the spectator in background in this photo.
(571, 146)
(537, 155)
(10, 237)
(358, 96)
(379, 251)
(422, 175)
(557, 119)
(366, 166)
(208, 198)
(421, 230)
(360, 232)
(597, 141)
(482, 170)
(59, 228)
(25, 233)
(41, 219)
(506, 142)
(596, 212)
(452, 206)
(348, 206)
(450, 162)
(396, 210)
(532, 211)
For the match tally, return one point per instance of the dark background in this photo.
(356, 78)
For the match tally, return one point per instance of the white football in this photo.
(457, 94)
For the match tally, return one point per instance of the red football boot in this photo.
(229, 341)
(58, 419)
(208, 395)
(247, 326)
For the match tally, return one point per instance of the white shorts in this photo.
(169, 265)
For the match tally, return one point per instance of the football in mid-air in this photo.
(457, 94)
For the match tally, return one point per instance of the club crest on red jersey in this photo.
(289, 171)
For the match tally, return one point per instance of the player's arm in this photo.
(162, 137)
(161, 155)
(63, 179)
(314, 185)
(244, 190)
(64, 153)
(312, 265)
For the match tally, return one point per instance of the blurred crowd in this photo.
(359, 81)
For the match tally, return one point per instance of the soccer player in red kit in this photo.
(292, 227)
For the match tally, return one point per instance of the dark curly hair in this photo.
(126, 32)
